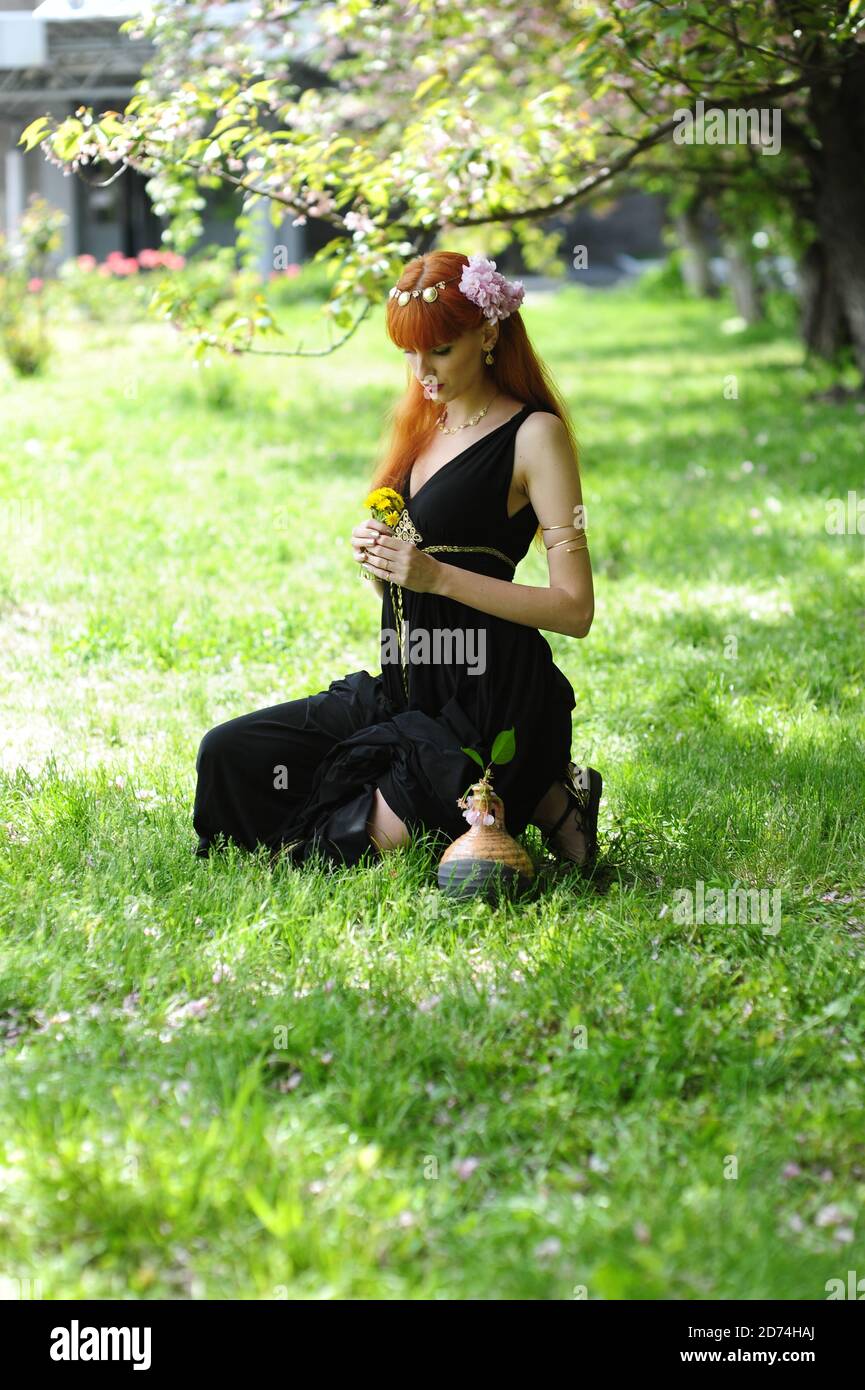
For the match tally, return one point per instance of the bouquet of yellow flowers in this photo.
(385, 505)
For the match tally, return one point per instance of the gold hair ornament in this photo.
(431, 292)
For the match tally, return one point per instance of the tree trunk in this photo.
(823, 324)
(839, 115)
(745, 287)
(695, 251)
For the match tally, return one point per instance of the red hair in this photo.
(419, 324)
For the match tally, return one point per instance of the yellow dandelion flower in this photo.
(385, 505)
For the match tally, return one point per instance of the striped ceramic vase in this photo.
(486, 861)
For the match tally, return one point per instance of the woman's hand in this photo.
(364, 536)
(400, 562)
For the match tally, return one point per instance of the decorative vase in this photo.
(486, 860)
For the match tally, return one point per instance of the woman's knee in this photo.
(384, 826)
(216, 742)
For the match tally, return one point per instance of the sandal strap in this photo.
(561, 820)
(580, 799)
(576, 798)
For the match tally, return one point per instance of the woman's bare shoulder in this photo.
(543, 450)
(541, 428)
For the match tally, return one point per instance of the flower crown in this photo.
(481, 283)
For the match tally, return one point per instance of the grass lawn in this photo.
(223, 1082)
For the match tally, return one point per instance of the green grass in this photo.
(377, 1093)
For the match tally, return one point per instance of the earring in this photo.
(489, 357)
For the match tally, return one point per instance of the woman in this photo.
(357, 768)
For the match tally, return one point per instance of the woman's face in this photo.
(452, 368)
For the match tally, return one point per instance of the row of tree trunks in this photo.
(832, 270)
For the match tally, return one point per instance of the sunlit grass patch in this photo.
(226, 1081)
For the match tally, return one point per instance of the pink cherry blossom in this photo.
(485, 286)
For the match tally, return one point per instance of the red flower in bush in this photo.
(118, 264)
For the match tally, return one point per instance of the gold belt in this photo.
(396, 593)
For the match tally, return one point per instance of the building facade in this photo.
(61, 54)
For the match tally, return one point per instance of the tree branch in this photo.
(616, 166)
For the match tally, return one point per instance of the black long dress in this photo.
(302, 775)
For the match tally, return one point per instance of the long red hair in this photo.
(517, 370)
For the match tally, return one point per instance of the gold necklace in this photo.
(473, 421)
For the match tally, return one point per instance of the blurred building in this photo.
(58, 55)
(61, 54)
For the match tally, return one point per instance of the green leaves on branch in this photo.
(68, 137)
(503, 749)
(35, 133)
(580, 98)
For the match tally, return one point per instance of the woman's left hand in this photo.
(398, 561)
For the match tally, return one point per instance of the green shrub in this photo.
(26, 346)
(665, 280)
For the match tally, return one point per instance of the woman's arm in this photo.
(546, 470)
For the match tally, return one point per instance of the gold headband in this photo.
(429, 294)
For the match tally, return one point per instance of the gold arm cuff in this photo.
(567, 540)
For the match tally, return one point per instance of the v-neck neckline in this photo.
(412, 496)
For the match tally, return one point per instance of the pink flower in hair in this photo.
(483, 285)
